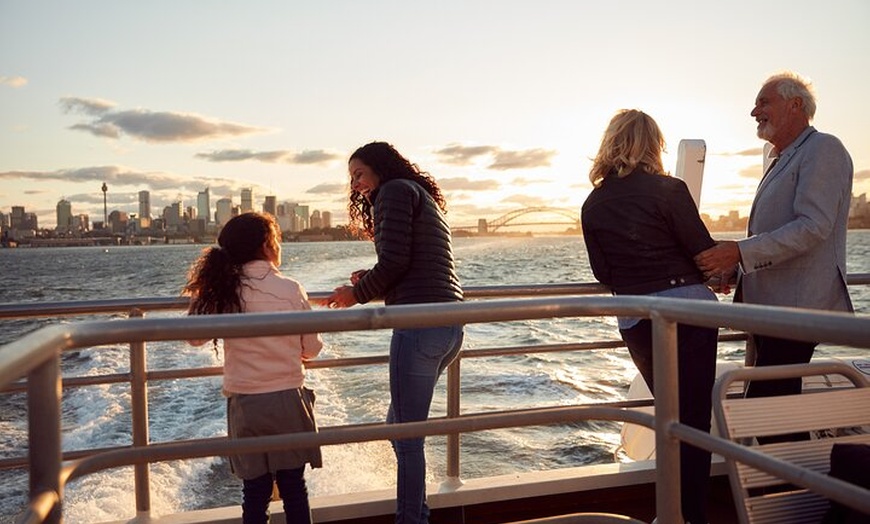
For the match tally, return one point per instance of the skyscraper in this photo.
(203, 206)
(16, 220)
(315, 220)
(144, 204)
(223, 211)
(144, 209)
(326, 220)
(247, 199)
(64, 215)
(269, 206)
(172, 216)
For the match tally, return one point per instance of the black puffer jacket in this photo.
(413, 243)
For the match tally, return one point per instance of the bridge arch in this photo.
(572, 216)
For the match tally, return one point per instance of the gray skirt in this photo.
(288, 411)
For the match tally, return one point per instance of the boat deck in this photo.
(626, 489)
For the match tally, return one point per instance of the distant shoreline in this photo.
(118, 242)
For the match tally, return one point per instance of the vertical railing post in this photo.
(43, 432)
(139, 411)
(667, 412)
(453, 402)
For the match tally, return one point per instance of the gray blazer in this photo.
(795, 253)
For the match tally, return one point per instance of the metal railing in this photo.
(37, 356)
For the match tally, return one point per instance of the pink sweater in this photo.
(266, 364)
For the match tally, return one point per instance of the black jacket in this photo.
(641, 233)
(413, 243)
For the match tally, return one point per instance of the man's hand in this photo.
(720, 261)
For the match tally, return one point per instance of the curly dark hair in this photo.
(214, 280)
(388, 164)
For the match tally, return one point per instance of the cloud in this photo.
(862, 175)
(754, 172)
(505, 160)
(122, 176)
(13, 81)
(522, 181)
(755, 151)
(88, 106)
(527, 200)
(473, 210)
(149, 126)
(502, 160)
(460, 155)
(464, 184)
(317, 156)
(328, 189)
(308, 157)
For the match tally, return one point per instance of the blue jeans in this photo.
(417, 359)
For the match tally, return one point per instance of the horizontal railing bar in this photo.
(88, 307)
(174, 374)
(19, 356)
(80, 307)
(21, 461)
(858, 279)
(121, 305)
(353, 434)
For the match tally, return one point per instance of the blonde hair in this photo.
(631, 140)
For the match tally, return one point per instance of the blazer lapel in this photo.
(776, 168)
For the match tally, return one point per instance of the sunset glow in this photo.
(503, 102)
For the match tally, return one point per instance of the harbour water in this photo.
(194, 408)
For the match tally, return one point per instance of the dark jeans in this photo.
(417, 359)
(772, 351)
(257, 492)
(697, 371)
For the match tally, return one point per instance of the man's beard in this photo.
(766, 131)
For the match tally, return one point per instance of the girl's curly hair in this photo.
(387, 164)
(215, 279)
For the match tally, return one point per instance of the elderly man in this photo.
(795, 250)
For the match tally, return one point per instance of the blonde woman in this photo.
(642, 231)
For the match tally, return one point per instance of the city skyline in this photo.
(502, 102)
(210, 210)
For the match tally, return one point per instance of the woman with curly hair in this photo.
(402, 209)
(263, 376)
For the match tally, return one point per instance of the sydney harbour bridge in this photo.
(555, 216)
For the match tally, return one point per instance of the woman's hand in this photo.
(357, 275)
(341, 297)
(723, 282)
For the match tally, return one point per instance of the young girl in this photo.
(263, 376)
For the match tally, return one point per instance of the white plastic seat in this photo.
(830, 415)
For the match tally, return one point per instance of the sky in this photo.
(503, 101)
